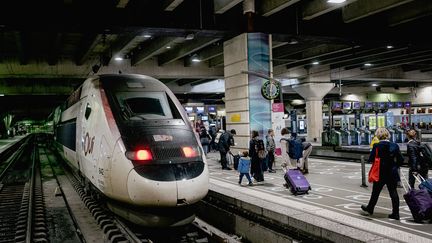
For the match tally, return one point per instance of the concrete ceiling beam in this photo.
(187, 48)
(151, 49)
(22, 47)
(206, 54)
(122, 3)
(315, 8)
(120, 44)
(221, 6)
(216, 61)
(414, 10)
(270, 7)
(170, 5)
(86, 47)
(53, 52)
(365, 8)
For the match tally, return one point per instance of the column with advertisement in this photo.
(278, 124)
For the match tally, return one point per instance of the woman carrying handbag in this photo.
(387, 154)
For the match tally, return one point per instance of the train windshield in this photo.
(144, 105)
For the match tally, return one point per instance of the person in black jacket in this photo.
(256, 162)
(416, 165)
(391, 159)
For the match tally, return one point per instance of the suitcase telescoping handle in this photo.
(403, 183)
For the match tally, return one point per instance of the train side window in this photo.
(87, 111)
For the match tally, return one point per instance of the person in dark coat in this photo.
(256, 162)
(416, 166)
(390, 160)
(205, 139)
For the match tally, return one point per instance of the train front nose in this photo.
(168, 169)
(174, 184)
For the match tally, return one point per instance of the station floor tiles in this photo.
(335, 187)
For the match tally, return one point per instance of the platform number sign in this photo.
(270, 90)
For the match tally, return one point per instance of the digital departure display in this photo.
(211, 108)
(390, 105)
(381, 105)
(336, 105)
(346, 105)
(189, 109)
(200, 109)
(204, 118)
(407, 104)
(356, 105)
(368, 105)
(399, 104)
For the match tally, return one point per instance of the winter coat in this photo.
(244, 165)
(390, 160)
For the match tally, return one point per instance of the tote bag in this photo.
(375, 169)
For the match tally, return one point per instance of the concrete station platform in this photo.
(6, 143)
(331, 210)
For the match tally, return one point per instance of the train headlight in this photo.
(140, 155)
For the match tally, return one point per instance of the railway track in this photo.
(22, 215)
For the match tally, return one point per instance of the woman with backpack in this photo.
(256, 161)
(416, 164)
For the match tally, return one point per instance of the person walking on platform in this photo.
(390, 160)
(205, 139)
(292, 150)
(244, 167)
(225, 141)
(256, 162)
(270, 146)
(416, 165)
(304, 162)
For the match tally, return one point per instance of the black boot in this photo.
(394, 216)
(367, 209)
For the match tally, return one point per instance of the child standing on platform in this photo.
(244, 167)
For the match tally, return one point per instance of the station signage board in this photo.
(407, 104)
(390, 105)
(399, 104)
(356, 105)
(346, 105)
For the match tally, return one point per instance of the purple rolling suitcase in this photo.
(297, 182)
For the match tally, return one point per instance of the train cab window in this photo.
(144, 105)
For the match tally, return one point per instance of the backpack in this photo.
(425, 152)
(295, 149)
(262, 153)
(218, 137)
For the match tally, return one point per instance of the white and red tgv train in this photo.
(130, 139)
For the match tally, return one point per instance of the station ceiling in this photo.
(47, 48)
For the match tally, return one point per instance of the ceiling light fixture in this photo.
(118, 58)
(315, 63)
(389, 46)
(374, 85)
(336, 1)
(368, 64)
(195, 58)
(168, 47)
(190, 37)
(146, 36)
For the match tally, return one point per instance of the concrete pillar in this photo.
(313, 93)
(246, 109)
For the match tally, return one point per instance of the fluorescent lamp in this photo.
(195, 59)
(389, 47)
(336, 1)
(118, 58)
(146, 36)
(368, 64)
(168, 47)
(315, 63)
(374, 85)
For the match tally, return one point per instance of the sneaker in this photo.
(226, 168)
(250, 184)
(305, 171)
(366, 209)
(394, 216)
(239, 182)
(272, 171)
